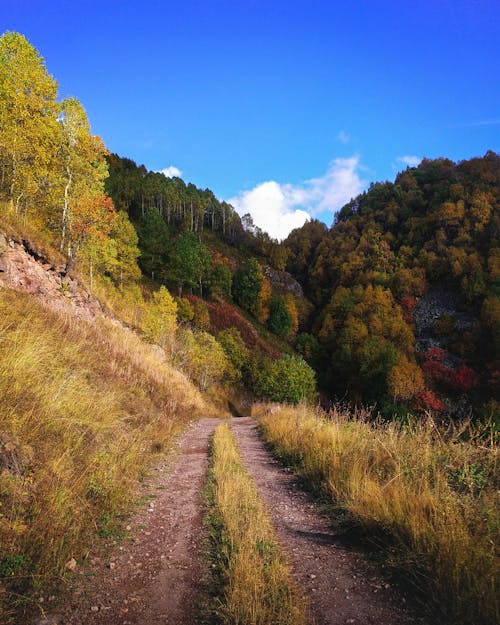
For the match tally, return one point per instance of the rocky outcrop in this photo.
(25, 269)
(433, 306)
(282, 282)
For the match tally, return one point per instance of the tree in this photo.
(189, 262)
(221, 281)
(29, 131)
(153, 243)
(83, 164)
(160, 318)
(291, 306)
(234, 346)
(203, 358)
(308, 347)
(92, 216)
(185, 310)
(405, 379)
(201, 317)
(280, 319)
(364, 331)
(124, 266)
(248, 281)
(288, 380)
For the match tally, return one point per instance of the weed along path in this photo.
(339, 587)
(155, 576)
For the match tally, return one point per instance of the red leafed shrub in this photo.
(436, 354)
(427, 400)
(463, 378)
(408, 303)
(434, 367)
(408, 306)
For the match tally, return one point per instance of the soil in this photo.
(339, 587)
(157, 575)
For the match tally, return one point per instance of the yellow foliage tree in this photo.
(28, 124)
(291, 306)
(83, 162)
(159, 321)
(262, 308)
(405, 379)
(202, 358)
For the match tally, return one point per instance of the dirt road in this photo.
(156, 576)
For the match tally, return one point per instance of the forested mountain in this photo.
(406, 285)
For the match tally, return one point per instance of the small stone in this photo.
(312, 576)
(71, 564)
(94, 608)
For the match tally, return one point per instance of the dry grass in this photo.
(431, 496)
(36, 236)
(253, 574)
(83, 410)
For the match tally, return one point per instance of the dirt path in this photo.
(338, 585)
(155, 577)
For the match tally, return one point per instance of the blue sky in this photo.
(287, 108)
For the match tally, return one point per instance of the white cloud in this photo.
(272, 207)
(340, 184)
(343, 137)
(410, 160)
(279, 208)
(171, 172)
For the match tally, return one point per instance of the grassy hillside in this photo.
(84, 409)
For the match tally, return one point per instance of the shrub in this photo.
(234, 346)
(185, 310)
(202, 358)
(288, 380)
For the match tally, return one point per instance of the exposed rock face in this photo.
(24, 269)
(433, 306)
(282, 282)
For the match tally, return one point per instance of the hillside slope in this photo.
(85, 407)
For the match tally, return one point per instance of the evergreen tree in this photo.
(154, 244)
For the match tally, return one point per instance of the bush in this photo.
(185, 311)
(288, 380)
(234, 347)
(202, 358)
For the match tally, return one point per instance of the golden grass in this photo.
(256, 586)
(83, 409)
(431, 496)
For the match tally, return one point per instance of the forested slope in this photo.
(405, 287)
